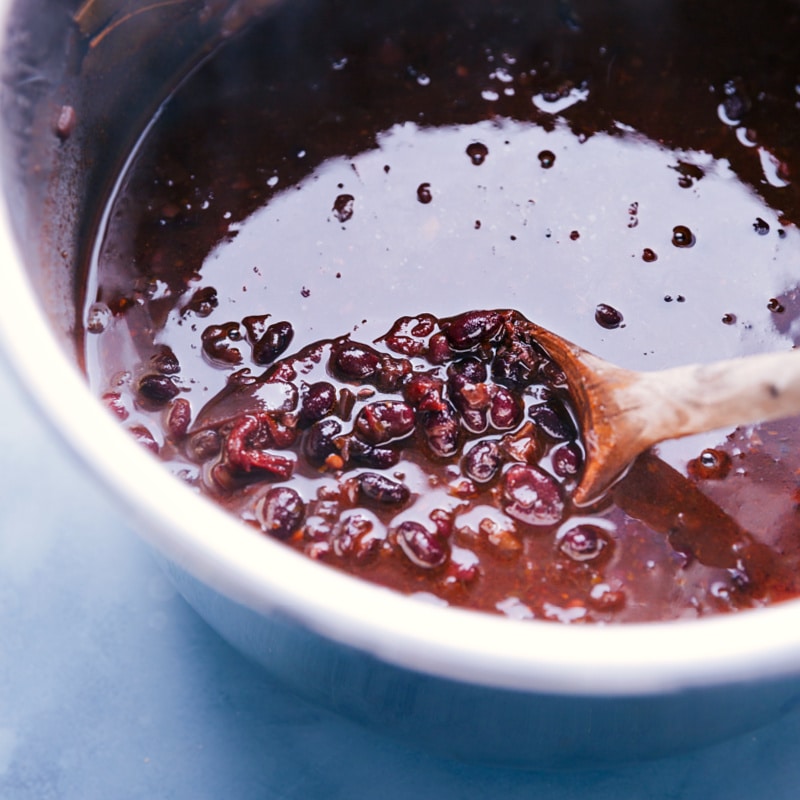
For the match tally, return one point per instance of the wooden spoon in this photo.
(622, 412)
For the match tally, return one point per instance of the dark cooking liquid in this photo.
(624, 178)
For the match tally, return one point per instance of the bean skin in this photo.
(281, 512)
(383, 491)
(532, 496)
(421, 547)
(385, 421)
(467, 331)
(273, 343)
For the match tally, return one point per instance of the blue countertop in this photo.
(112, 688)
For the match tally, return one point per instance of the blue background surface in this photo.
(111, 687)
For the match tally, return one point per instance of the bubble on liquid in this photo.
(584, 542)
(423, 80)
(735, 103)
(490, 95)
(746, 137)
(502, 74)
(711, 464)
(722, 113)
(477, 152)
(682, 236)
(98, 318)
(556, 102)
(343, 207)
(775, 171)
(547, 158)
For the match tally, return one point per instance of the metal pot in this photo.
(79, 86)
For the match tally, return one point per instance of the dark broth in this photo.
(623, 176)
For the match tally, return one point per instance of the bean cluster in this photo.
(319, 443)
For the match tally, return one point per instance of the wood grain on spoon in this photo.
(623, 412)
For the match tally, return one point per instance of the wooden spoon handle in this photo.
(703, 397)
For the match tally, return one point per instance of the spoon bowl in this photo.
(622, 412)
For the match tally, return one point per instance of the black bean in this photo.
(553, 420)
(219, 343)
(165, 361)
(515, 364)
(424, 392)
(439, 350)
(204, 445)
(392, 373)
(380, 490)
(470, 394)
(584, 542)
(281, 512)
(353, 539)
(607, 316)
(371, 456)
(552, 374)
(506, 410)
(178, 418)
(385, 421)
(157, 390)
(532, 495)
(475, 420)
(317, 401)
(273, 343)
(422, 547)
(567, 459)
(441, 432)
(319, 442)
(468, 331)
(482, 461)
(355, 362)
(464, 371)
